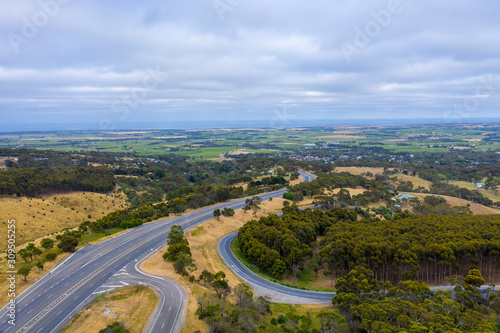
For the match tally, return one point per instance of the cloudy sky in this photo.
(109, 64)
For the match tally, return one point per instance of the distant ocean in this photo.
(235, 124)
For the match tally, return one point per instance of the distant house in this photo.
(480, 185)
(402, 196)
(270, 172)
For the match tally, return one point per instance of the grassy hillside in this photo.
(38, 217)
(472, 186)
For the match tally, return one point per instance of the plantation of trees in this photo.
(32, 182)
(369, 305)
(427, 249)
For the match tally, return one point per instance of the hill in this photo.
(38, 217)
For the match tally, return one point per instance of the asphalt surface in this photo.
(55, 299)
(263, 287)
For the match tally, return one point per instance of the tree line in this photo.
(370, 305)
(32, 182)
(428, 248)
(424, 248)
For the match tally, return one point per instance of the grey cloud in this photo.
(261, 56)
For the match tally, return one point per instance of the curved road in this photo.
(264, 287)
(51, 302)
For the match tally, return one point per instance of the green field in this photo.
(209, 144)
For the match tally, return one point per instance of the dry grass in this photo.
(359, 170)
(472, 186)
(417, 181)
(476, 208)
(132, 306)
(352, 191)
(22, 285)
(58, 216)
(203, 243)
(38, 217)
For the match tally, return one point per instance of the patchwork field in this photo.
(209, 144)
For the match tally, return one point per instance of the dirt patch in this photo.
(133, 306)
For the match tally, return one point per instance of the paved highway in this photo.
(264, 287)
(50, 303)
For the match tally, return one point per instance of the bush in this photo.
(68, 243)
(50, 256)
(228, 211)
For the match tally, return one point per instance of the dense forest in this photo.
(32, 182)
(428, 248)
(146, 179)
(369, 305)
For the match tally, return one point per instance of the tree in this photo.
(359, 281)
(228, 211)
(217, 213)
(68, 243)
(220, 285)
(115, 327)
(330, 321)
(474, 278)
(24, 271)
(36, 252)
(253, 203)
(182, 262)
(47, 243)
(50, 256)
(178, 205)
(175, 235)
(177, 248)
(206, 277)
(279, 269)
(26, 255)
(39, 265)
(244, 295)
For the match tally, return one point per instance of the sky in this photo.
(67, 64)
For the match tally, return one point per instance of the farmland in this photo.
(213, 144)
